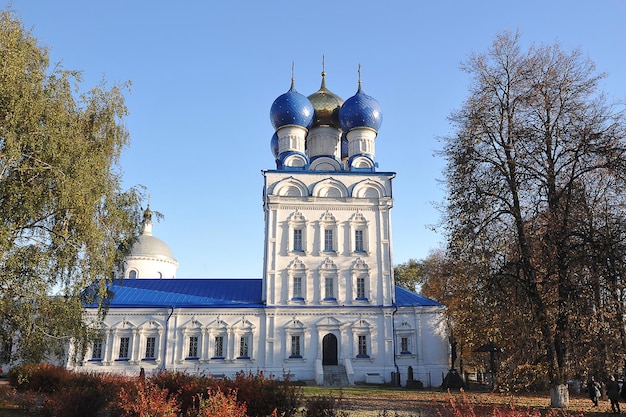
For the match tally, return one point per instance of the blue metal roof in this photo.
(406, 298)
(210, 292)
(186, 293)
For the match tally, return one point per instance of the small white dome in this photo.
(149, 257)
(151, 246)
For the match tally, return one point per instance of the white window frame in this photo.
(124, 348)
(329, 280)
(329, 240)
(150, 329)
(97, 350)
(405, 345)
(148, 339)
(362, 351)
(244, 337)
(361, 274)
(219, 354)
(192, 329)
(297, 269)
(244, 346)
(361, 331)
(219, 328)
(361, 293)
(294, 329)
(359, 226)
(329, 288)
(193, 352)
(296, 346)
(405, 331)
(359, 240)
(297, 288)
(328, 227)
(297, 222)
(297, 241)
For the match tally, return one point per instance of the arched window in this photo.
(132, 274)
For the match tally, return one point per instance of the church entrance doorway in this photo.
(329, 350)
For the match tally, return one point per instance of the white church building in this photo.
(325, 308)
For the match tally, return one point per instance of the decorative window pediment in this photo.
(360, 266)
(218, 326)
(124, 324)
(329, 323)
(328, 266)
(294, 325)
(244, 326)
(150, 325)
(361, 325)
(297, 265)
(328, 218)
(297, 218)
(192, 325)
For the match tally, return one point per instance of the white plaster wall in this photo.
(150, 267)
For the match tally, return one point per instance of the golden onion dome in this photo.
(326, 105)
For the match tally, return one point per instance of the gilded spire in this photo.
(323, 86)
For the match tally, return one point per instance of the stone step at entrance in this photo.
(335, 376)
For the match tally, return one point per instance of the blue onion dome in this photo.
(274, 145)
(360, 110)
(291, 108)
(326, 105)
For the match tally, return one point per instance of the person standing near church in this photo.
(613, 392)
(594, 389)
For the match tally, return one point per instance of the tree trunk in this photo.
(559, 396)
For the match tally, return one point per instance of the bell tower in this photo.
(327, 208)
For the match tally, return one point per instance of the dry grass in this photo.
(378, 402)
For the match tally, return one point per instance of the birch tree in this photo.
(65, 220)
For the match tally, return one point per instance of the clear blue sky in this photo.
(205, 74)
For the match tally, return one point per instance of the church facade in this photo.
(325, 309)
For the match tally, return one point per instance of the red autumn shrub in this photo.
(264, 396)
(84, 395)
(142, 398)
(187, 388)
(41, 378)
(218, 404)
